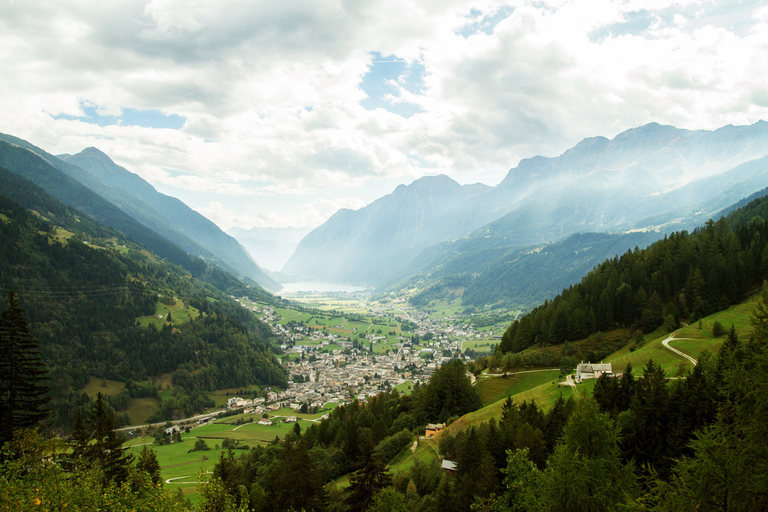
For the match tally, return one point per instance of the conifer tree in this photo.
(107, 449)
(23, 374)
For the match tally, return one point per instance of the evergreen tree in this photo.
(107, 449)
(147, 462)
(585, 472)
(369, 479)
(23, 392)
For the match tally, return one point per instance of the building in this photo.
(592, 370)
(434, 428)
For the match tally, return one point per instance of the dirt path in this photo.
(676, 351)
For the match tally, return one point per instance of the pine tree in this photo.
(107, 450)
(23, 374)
(369, 479)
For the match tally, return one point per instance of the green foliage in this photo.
(23, 374)
(34, 477)
(585, 471)
(82, 301)
(660, 284)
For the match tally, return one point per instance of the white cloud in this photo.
(308, 215)
(271, 90)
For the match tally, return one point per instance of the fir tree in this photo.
(23, 392)
(107, 450)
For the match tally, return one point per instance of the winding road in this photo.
(676, 351)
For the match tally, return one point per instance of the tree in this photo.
(585, 472)
(107, 449)
(23, 392)
(147, 462)
(369, 479)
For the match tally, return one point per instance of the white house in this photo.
(592, 370)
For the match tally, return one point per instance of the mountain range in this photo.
(649, 179)
(91, 182)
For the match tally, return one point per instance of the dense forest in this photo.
(83, 286)
(682, 276)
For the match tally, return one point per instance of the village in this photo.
(329, 368)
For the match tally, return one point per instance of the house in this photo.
(448, 465)
(592, 370)
(265, 421)
(235, 402)
(434, 428)
(291, 419)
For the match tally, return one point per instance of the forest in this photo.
(83, 286)
(684, 276)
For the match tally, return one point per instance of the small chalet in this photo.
(265, 421)
(448, 465)
(434, 428)
(592, 370)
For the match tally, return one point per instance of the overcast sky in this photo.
(277, 113)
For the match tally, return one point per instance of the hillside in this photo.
(520, 278)
(165, 216)
(649, 178)
(367, 245)
(684, 276)
(85, 288)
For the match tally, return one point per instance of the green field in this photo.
(141, 409)
(180, 313)
(492, 389)
(104, 386)
(178, 463)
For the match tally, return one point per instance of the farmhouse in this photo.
(434, 428)
(592, 370)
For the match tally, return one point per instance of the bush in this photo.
(717, 329)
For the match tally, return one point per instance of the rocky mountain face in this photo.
(366, 245)
(649, 178)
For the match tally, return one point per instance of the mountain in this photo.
(652, 177)
(92, 296)
(166, 216)
(519, 277)
(363, 246)
(273, 246)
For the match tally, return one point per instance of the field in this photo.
(180, 313)
(104, 386)
(493, 389)
(182, 467)
(141, 409)
(699, 341)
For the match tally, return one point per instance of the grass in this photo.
(140, 409)
(492, 389)
(426, 451)
(180, 313)
(104, 386)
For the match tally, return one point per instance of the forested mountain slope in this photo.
(167, 217)
(85, 286)
(682, 276)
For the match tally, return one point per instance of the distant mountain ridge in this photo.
(164, 215)
(272, 245)
(353, 246)
(650, 177)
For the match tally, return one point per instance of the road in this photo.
(162, 423)
(673, 349)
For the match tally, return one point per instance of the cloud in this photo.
(308, 215)
(275, 101)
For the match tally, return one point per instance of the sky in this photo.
(277, 114)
